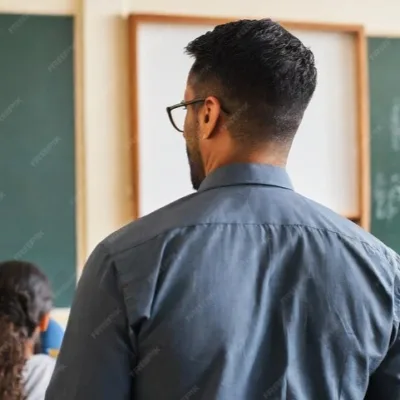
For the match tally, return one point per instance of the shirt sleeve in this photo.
(385, 382)
(97, 355)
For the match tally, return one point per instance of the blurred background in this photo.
(69, 103)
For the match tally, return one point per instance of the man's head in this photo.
(253, 81)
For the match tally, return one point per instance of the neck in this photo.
(267, 155)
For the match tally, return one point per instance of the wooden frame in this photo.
(363, 218)
(61, 315)
(80, 181)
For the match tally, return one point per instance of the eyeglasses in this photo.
(177, 113)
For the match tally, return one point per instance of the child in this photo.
(25, 304)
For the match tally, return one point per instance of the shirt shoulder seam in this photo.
(324, 230)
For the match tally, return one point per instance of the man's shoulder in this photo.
(347, 233)
(216, 207)
(176, 215)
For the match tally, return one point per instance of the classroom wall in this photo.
(102, 81)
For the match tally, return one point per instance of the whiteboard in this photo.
(323, 163)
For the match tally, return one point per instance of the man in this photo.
(245, 290)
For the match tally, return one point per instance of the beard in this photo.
(196, 165)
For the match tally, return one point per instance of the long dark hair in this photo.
(25, 298)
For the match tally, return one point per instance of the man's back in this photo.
(244, 290)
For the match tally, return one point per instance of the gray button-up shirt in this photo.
(244, 290)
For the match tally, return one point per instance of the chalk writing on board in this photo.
(395, 125)
(387, 196)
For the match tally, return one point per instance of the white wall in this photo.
(103, 84)
(377, 16)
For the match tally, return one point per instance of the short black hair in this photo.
(261, 73)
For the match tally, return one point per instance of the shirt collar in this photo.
(247, 174)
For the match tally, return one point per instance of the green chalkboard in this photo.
(37, 149)
(384, 79)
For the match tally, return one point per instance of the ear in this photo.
(208, 117)
(44, 323)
